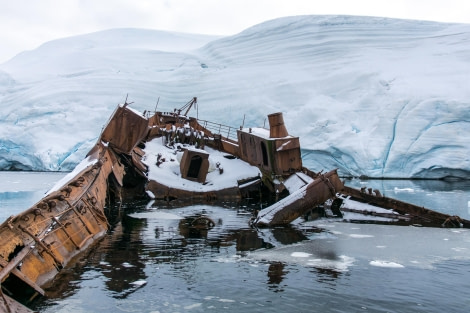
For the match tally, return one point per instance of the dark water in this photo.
(156, 259)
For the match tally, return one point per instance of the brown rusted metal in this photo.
(9, 305)
(276, 156)
(277, 129)
(24, 278)
(163, 192)
(125, 130)
(37, 243)
(415, 213)
(324, 187)
(194, 165)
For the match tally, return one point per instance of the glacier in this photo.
(374, 97)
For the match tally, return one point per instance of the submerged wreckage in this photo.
(168, 155)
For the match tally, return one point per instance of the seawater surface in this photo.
(160, 257)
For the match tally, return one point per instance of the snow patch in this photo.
(79, 168)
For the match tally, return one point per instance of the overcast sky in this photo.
(26, 24)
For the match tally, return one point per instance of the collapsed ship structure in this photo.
(168, 155)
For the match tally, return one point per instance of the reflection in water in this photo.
(449, 197)
(174, 236)
(206, 257)
(276, 273)
(327, 274)
(115, 260)
(442, 185)
(156, 258)
(120, 261)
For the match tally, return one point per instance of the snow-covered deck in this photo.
(223, 173)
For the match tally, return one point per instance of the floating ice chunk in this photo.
(209, 297)
(360, 236)
(192, 306)
(396, 189)
(385, 264)
(300, 255)
(341, 264)
(156, 215)
(231, 259)
(139, 282)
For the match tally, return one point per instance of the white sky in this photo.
(26, 24)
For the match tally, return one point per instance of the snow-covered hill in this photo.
(370, 96)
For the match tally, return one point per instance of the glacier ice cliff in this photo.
(370, 96)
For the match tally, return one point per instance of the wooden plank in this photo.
(14, 262)
(9, 305)
(23, 277)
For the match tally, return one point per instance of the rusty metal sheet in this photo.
(117, 168)
(322, 188)
(125, 129)
(287, 144)
(416, 213)
(37, 243)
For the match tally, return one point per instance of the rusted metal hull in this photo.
(37, 243)
(163, 192)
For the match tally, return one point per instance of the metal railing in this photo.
(216, 128)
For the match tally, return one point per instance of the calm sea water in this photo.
(155, 259)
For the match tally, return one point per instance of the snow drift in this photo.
(371, 96)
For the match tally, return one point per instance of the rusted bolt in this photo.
(93, 200)
(51, 204)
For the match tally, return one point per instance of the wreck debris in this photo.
(414, 214)
(9, 305)
(38, 243)
(299, 202)
(194, 165)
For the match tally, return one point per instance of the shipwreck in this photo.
(168, 156)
